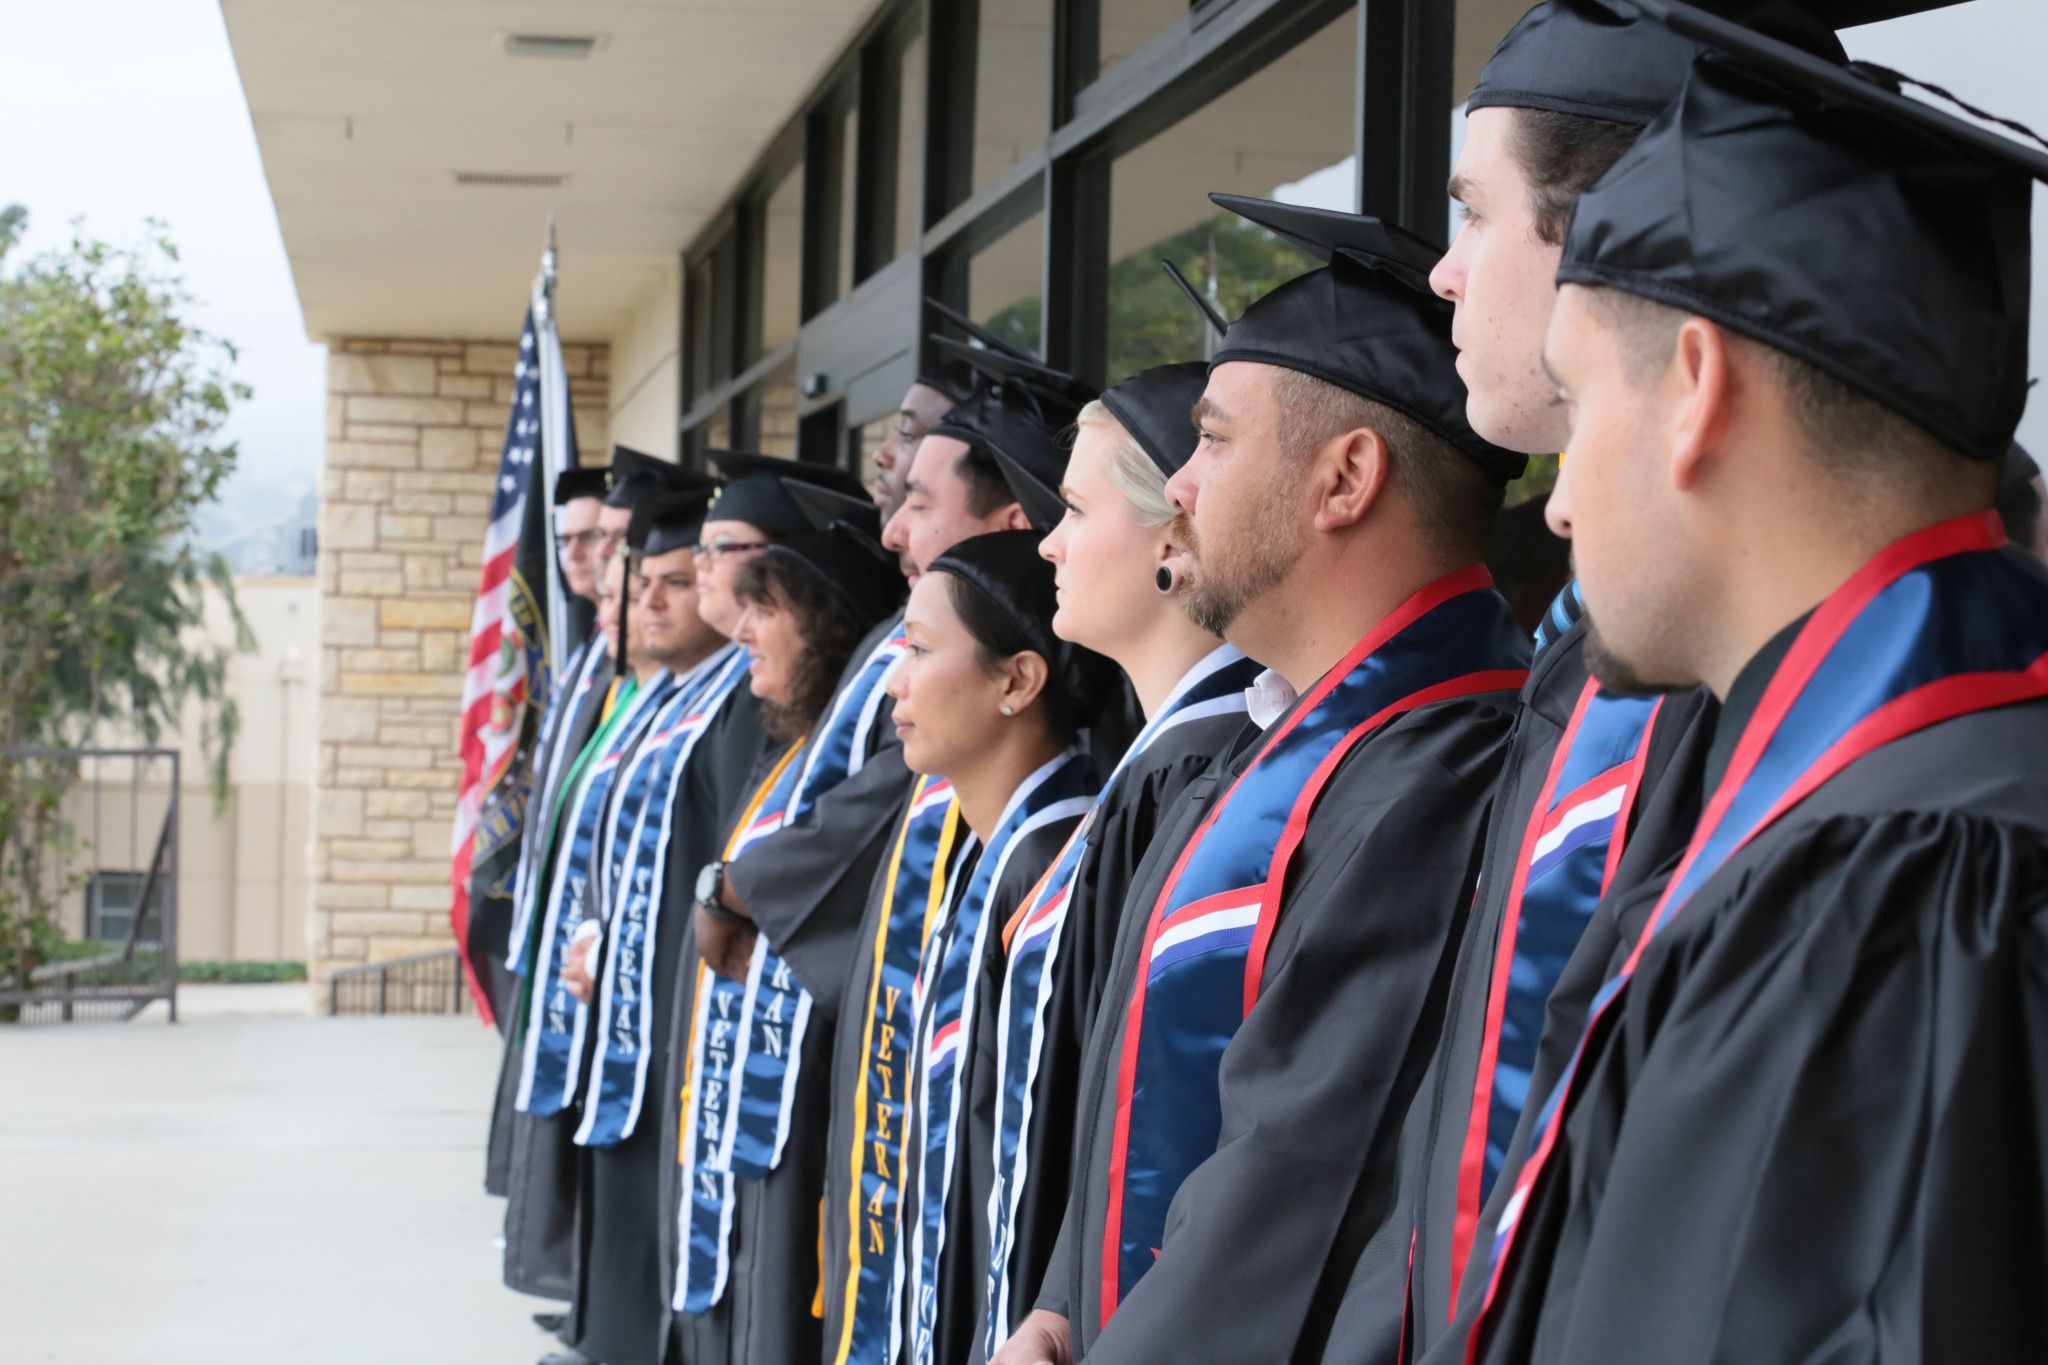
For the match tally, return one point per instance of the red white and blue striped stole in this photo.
(1204, 950)
(1937, 625)
(913, 901)
(777, 1008)
(552, 1056)
(649, 805)
(704, 1232)
(1215, 686)
(946, 994)
(1570, 848)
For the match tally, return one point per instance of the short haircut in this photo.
(1141, 482)
(988, 492)
(1561, 155)
(1848, 432)
(1453, 499)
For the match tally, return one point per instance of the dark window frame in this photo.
(1401, 141)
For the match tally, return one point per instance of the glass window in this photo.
(1285, 133)
(1013, 86)
(1127, 25)
(110, 901)
(711, 302)
(1006, 285)
(849, 189)
(777, 412)
(910, 87)
(782, 261)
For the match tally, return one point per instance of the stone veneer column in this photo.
(414, 431)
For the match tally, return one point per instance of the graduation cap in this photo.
(1815, 208)
(824, 507)
(668, 521)
(645, 476)
(1005, 367)
(1005, 568)
(1606, 59)
(1155, 406)
(849, 564)
(1021, 423)
(1366, 322)
(572, 484)
(754, 490)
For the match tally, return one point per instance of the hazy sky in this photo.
(121, 110)
(118, 111)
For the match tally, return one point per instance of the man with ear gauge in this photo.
(1802, 1118)
(1277, 981)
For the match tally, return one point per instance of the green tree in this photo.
(111, 407)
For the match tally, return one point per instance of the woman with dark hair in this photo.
(749, 1134)
(989, 705)
(1117, 573)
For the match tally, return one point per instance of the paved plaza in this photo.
(251, 1185)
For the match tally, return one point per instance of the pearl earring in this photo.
(1009, 710)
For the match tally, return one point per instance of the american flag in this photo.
(506, 684)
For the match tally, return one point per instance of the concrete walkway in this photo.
(251, 1185)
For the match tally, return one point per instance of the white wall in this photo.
(645, 360)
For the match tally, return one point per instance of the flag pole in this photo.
(554, 426)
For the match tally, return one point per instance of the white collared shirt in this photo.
(1268, 698)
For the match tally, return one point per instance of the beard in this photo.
(1219, 582)
(1617, 675)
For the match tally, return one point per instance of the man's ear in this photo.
(1013, 518)
(1701, 389)
(1351, 471)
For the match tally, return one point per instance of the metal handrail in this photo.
(415, 965)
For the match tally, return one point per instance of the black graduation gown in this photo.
(806, 885)
(963, 1259)
(1144, 799)
(1399, 1279)
(1263, 1236)
(849, 1062)
(619, 1299)
(538, 1154)
(1813, 1127)
(765, 1313)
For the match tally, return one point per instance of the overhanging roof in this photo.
(366, 111)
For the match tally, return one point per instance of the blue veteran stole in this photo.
(1570, 847)
(1205, 947)
(777, 1009)
(553, 1060)
(562, 702)
(913, 899)
(1213, 687)
(1937, 625)
(704, 1231)
(946, 995)
(647, 812)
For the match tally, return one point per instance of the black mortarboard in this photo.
(1811, 206)
(1605, 59)
(754, 491)
(1005, 568)
(850, 565)
(824, 506)
(1002, 367)
(638, 477)
(572, 484)
(1367, 323)
(1155, 407)
(668, 521)
(1021, 423)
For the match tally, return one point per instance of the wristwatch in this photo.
(708, 883)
